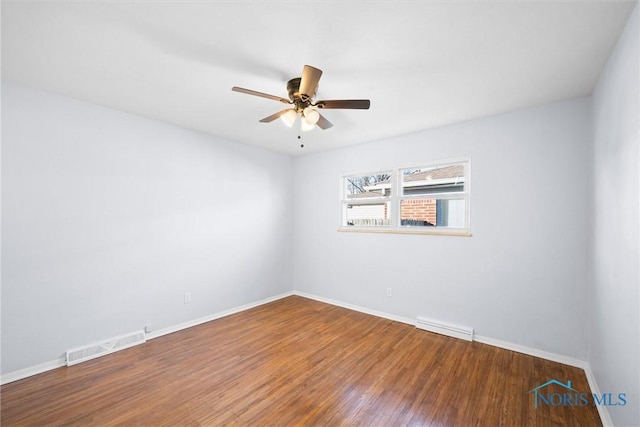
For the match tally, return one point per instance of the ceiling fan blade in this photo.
(350, 104)
(309, 81)
(275, 116)
(260, 94)
(323, 123)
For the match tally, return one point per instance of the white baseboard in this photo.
(605, 417)
(357, 308)
(482, 339)
(602, 410)
(554, 357)
(54, 364)
(32, 370)
(591, 379)
(209, 318)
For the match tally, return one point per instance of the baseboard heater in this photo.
(444, 329)
(82, 354)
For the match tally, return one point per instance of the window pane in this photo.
(367, 186)
(434, 179)
(370, 215)
(432, 213)
(428, 199)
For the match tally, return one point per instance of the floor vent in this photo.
(444, 329)
(82, 354)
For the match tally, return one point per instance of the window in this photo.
(367, 200)
(430, 199)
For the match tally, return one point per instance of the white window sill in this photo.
(388, 230)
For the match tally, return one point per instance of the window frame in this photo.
(396, 197)
(366, 202)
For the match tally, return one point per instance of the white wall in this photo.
(108, 219)
(614, 291)
(520, 278)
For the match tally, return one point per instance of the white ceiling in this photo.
(422, 63)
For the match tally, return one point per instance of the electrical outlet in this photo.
(389, 292)
(147, 328)
(187, 298)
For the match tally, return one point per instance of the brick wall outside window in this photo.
(419, 209)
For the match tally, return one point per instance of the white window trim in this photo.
(395, 199)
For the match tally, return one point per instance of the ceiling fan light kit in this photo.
(311, 116)
(289, 117)
(301, 92)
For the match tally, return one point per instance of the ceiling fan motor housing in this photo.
(304, 99)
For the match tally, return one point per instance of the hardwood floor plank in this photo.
(297, 362)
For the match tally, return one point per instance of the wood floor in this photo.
(298, 362)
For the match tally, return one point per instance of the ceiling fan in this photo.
(301, 92)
